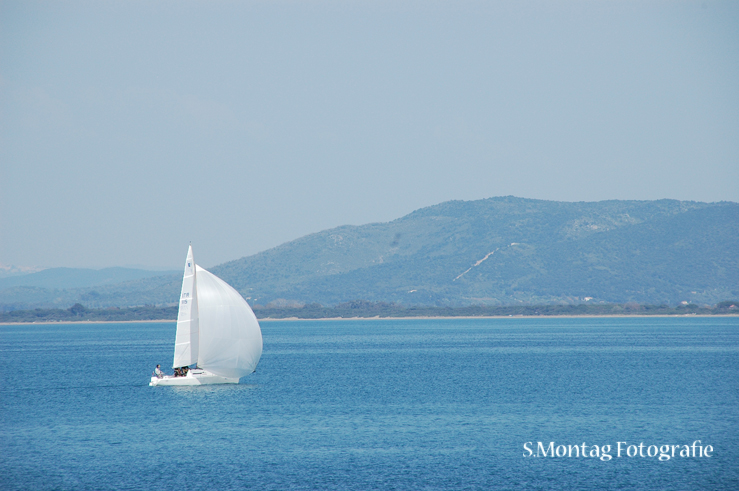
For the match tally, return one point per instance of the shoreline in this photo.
(566, 316)
(85, 322)
(269, 319)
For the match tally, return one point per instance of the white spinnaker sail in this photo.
(186, 341)
(230, 338)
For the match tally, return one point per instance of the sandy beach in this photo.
(268, 319)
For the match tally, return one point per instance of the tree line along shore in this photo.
(365, 309)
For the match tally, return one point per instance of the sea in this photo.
(411, 404)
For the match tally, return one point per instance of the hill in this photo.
(506, 251)
(497, 251)
(61, 278)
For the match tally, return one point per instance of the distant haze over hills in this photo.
(7, 270)
(61, 278)
(495, 251)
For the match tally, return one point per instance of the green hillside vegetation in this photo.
(504, 251)
(495, 252)
(365, 309)
(80, 313)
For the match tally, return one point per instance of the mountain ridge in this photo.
(496, 251)
(424, 251)
(60, 278)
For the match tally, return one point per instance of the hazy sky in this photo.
(128, 129)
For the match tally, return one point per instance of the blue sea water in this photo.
(376, 404)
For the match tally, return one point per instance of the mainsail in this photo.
(186, 340)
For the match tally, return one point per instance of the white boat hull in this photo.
(193, 377)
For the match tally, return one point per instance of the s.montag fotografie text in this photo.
(661, 452)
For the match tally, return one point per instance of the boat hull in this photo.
(193, 377)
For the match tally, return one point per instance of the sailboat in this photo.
(216, 331)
